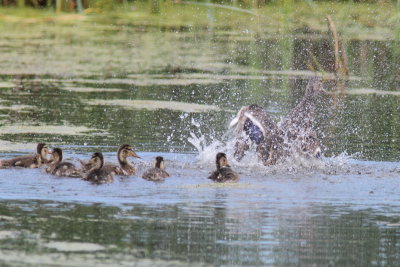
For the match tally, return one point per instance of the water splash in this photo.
(208, 146)
(207, 151)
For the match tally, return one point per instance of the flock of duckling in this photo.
(97, 171)
(274, 142)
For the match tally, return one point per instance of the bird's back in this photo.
(224, 174)
(99, 176)
(155, 174)
(28, 161)
(66, 169)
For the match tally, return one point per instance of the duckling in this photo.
(223, 173)
(125, 167)
(157, 173)
(29, 161)
(253, 126)
(59, 168)
(97, 174)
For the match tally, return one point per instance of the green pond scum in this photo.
(167, 77)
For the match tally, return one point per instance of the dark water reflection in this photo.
(98, 86)
(211, 233)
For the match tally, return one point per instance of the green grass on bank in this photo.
(353, 20)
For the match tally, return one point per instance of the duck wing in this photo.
(225, 174)
(214, 175)
(298, 126)
(302, 116)
(112, 168)
(255, 119)
(253, 125)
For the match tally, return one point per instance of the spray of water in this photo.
(250, 164)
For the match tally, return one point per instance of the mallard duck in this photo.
(253, 126)
(223, 173)
(59, 168)
(157, 173)
(295, 133)
(29, 161)
(125, 168)
(97, 174)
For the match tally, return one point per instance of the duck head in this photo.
(221, 160)
(56, 155)
(160, 163)
(43, 150)
(125, 151)
(97, 160)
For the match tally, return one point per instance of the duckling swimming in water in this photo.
(97, 174)
(59, 168)
(29, 161)
(125, 168)
(157, 173)
(223, 173)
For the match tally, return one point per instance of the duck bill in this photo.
(234, 122)
(133, 154)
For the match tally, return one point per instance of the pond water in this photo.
(172, 92)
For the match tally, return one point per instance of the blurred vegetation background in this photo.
(377, 19)
(156, 5)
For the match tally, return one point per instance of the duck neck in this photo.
(123, 162)
(42, 157)
(219, 166)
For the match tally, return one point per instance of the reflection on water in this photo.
(155, 105)
(342, 214)
(284, 223)
(93, 89)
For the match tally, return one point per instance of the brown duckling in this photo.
(125, 168)
(223, 173)
(97, 174)
(29, 161)
(157, 173)
(59, 168)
